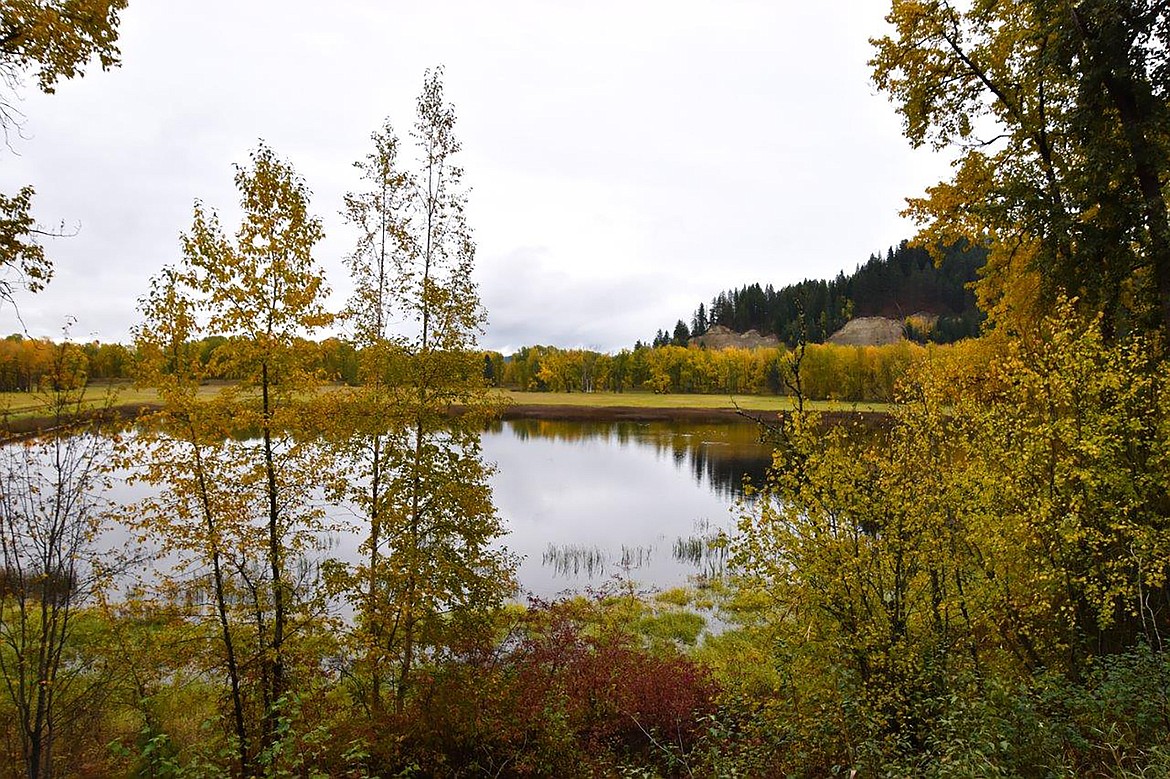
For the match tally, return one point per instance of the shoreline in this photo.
(581, 413)
(25, 427)
(577, 413)
(29, 426)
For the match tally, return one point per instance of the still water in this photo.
(582, 502)
(585, 502)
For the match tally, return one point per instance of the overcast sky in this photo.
(627, 159)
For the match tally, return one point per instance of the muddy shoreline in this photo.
(29, 427)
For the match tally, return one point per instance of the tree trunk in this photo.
(373, 621)
(1148, 168)
(221, 609)
(276, 660)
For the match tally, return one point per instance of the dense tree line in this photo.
(906, 281)
(846, 373)
(26, 364)
(828, 372)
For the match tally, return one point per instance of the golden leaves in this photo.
(1019, 506)
(1060, 124)
(57, 39)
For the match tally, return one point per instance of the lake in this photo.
(588, 501)
(585, 502)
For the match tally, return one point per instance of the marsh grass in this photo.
(576, 559)
(706, 550)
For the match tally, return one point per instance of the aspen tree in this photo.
(429, 553)
(248, 504)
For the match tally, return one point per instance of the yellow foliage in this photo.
(1016, 517)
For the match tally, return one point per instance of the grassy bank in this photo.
(25, 412)
(650, 400)
(17, 405)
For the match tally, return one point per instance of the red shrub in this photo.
(561, 694)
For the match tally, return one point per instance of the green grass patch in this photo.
(682, 627)
(675, 596)
(20, 405)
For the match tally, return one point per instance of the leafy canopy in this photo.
(50, 41)
(1060, 116)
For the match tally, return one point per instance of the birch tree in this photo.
(242, 510)
(185, 453)
(422, 484)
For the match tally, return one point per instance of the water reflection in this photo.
(589, 501)
(717, 455)
(706, 551)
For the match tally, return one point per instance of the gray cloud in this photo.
(655, 152)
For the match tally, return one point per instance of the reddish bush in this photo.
(561, 695)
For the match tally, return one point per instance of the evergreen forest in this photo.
(909, 281)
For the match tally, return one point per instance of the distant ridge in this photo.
(935, 301)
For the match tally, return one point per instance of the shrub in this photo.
(566, 693)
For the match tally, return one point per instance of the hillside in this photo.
(720, 337)
(904, 282)
(869, 331)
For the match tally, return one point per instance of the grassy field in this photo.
(651, 400)
(24, 405)
(18, 405)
